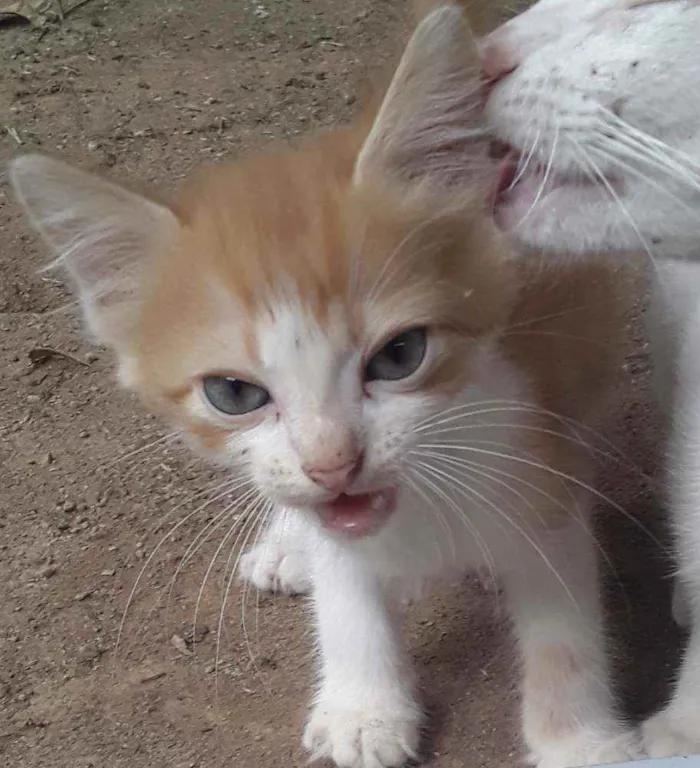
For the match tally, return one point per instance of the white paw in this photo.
(666, 735)
(376, 737)
(274, 568)
(589, 748)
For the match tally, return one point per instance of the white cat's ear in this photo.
(429, 126)
(101, 233)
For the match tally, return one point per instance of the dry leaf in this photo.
(34, 11)
(38, 12)
(40, 355)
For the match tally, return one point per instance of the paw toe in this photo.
(271, 569)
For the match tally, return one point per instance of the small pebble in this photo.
(179, 644)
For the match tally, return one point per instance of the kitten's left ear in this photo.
(429, 125)
(100, 232)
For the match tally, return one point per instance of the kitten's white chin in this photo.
(355, 516)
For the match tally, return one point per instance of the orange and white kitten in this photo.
(344, 323)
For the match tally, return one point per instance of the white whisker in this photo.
(171, 532)
(545, 180)
(467, 490)
(558, 473)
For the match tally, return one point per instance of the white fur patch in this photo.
(602, 90)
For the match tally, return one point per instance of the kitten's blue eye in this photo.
(400, 357)
(233, 396)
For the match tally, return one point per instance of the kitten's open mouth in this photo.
(356, 516)
(519, 191)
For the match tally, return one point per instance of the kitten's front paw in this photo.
(273, 568)
(668, 735)
(589, 748)
(375, 737)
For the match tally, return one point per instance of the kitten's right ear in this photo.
(430, 124)
(102, 233)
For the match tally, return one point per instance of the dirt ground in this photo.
(150, 89)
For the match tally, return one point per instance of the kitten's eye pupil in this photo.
(400, 357)
(234, 397)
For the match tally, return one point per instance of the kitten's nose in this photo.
(334, 477)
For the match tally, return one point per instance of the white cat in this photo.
(600, 102)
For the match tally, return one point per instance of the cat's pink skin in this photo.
(360, 515)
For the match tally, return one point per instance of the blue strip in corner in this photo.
(691, 761)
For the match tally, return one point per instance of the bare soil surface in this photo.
(148, 90)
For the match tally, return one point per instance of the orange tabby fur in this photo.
(297, 212)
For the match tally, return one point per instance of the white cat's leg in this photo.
(676, 729)
(569, 717)
(280, 560)
(365, 714)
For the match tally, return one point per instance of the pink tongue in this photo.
(351, 514)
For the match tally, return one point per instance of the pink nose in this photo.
(335, 478)
(498, 60)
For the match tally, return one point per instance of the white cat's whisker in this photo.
(525, 161)
(621, 147)
(677, 163)
(545, 180)
(588, 163)
(613, 158)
